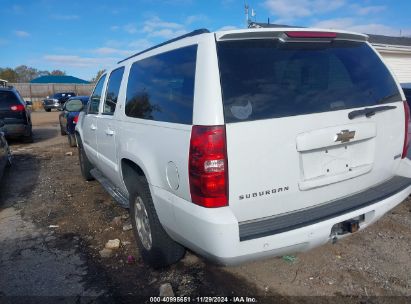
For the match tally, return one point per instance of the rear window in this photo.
(161, 87)
(264, 79)
(7, 99)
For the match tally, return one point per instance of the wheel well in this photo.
(130, 171)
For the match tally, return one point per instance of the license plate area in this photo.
(336, 160)
(326, 158)
(348, 226)
(328, 165)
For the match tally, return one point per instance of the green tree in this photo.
(9, 74)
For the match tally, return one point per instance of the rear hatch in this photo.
(299, 127)
(12, 111)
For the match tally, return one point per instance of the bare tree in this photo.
(97, 77)
(58, 73)
(25, 73)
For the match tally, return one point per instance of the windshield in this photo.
(264, 79)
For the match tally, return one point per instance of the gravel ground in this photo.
(53, 225)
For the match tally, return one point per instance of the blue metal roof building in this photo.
(59, 79)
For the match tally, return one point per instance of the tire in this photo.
(161, 251)
(71, 140)
(29, 138)
(62, 132)
(48, 110)
(85, 164)
(9, 158)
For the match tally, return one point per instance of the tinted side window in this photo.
(94, 102)
(113, 89)
(407, 93)
(161, 87)
(263, 79)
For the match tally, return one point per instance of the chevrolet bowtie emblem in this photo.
(345, 136)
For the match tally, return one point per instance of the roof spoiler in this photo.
(288, 34)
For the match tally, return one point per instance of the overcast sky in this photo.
(82, 37)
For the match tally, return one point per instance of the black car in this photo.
(15, 114)
(5, 154)
(56, 101)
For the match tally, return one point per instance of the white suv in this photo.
(248, 143)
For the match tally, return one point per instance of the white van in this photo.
(249, 143)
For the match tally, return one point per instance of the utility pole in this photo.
(247, 20)
(253, 15)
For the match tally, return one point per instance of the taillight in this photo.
(303, 34)
(75, 119)
(207, 166)
(17, 108)
(406, 139)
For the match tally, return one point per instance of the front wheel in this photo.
(156, 247)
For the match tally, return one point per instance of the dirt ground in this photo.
(53, 225)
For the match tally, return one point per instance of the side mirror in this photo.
(74, 105)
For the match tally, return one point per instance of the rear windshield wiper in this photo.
(368, 112)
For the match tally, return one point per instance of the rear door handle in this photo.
(109, 132)
(93, 127)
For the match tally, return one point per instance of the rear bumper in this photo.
(12, 130)
(216, 233)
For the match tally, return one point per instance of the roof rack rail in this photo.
(191, 34)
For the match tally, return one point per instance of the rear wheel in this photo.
(9, 157)
(71, 140)
(29, 138)
(156, 247)
(85, 164)
(48, 110)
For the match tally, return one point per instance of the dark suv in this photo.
(15, 114)
(56, 101)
